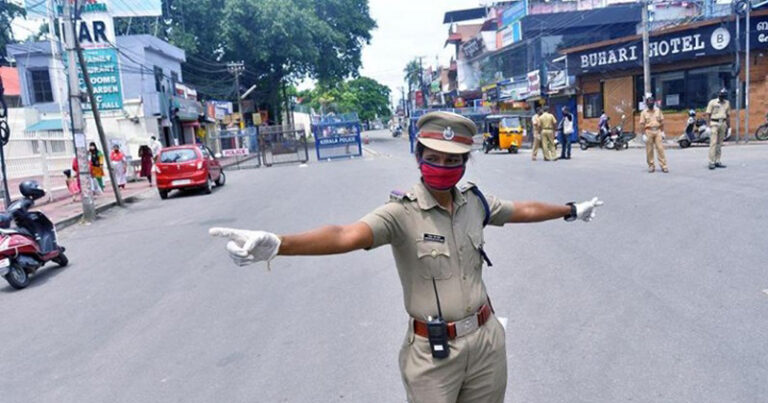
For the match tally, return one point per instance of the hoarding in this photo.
(38, 9)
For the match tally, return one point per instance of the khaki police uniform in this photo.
(651, 121)
(536, 137)
(548, 124)
(718, 112)
(429, 242)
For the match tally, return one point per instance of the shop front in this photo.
(689, 65)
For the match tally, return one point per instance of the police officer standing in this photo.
(652, 121)
(454, 348)
(719, 114)
(548, 123)
(536, 135)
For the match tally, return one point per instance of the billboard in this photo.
(511, 27)
(38, 9)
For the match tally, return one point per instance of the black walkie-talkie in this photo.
(438, 331)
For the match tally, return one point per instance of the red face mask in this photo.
(439, 177)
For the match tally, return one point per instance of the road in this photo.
(663, 298)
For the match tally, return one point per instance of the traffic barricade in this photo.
(238, 148)
(337, 136)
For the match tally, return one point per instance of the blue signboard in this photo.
(514, 13)
(105, 77)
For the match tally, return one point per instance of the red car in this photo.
(188, 167)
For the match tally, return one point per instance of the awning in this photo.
(46, 125)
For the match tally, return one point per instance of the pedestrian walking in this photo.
(73, 185)
(536, 135)
(719, 115)
(145, 154)
(96, 165)
(156, 147)
(652, 121)
(119, 165)
(454, 350)
(565, 128)
(548, 124)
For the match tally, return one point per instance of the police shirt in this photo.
(428, 242)
(718, 110)
(651, 119)
(547, 121)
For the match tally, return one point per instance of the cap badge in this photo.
(448, 133)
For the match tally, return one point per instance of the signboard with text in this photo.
(38, 9)
(709, 40)
(103, 69)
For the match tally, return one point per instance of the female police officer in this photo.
(454, 352)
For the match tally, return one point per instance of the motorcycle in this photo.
(762, 131)
(33, 241)
(397, 131)
(613, 138)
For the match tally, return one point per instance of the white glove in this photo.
(246, 247)
(586, 210)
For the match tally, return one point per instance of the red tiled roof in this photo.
(10, 78)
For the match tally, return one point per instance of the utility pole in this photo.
(421, 83)
(5, 134)
(97, 119)
(76, 114)
(746, 79)
(646, 56)
(237, 68)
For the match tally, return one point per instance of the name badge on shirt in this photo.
(434, 238)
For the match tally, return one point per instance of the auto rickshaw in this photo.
(503, 132)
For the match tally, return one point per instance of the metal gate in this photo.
(237, 149)
(283, 144)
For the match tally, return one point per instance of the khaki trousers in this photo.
(475, 370)
(716, 137)
(654, 141)
(536, 146)
(548, 144)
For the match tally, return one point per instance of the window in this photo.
(688, 89)
(58, 146)
(178, 155)
(593, 105)
(41, 86)
(158, 78)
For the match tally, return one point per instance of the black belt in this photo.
(718, 120)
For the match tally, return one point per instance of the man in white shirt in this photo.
(156, 146)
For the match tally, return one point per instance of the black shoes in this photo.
(711, 166)
(719, 165)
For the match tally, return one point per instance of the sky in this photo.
(407, 29)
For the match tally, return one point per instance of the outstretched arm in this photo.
(533, 211)
(327, 240)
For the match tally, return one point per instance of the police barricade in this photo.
(337, 136)
(283, 144)
(477, 114)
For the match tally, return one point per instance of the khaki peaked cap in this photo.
(446, 132)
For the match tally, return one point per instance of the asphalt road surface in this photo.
(663, 298)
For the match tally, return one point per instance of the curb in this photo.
(74, 219)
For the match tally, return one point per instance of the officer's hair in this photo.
(420, 151)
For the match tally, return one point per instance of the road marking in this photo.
(503, 322)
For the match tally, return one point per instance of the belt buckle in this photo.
(466, 326)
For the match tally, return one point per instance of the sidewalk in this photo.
(64, 212)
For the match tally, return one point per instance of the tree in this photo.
(362, 95)
(8, 11)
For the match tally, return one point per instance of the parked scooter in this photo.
(32, 243)
(696, 131)
(618, 139)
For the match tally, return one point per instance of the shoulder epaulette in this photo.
(399, 195)
(465, 187)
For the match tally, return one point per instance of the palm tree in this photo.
(412, 75)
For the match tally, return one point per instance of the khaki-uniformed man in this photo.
(719, 113)
(536, 134)
(652, 121)
(436, 234)
(548, 123)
